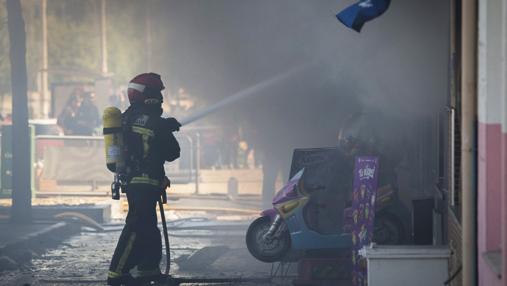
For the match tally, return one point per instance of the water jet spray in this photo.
(245, 93)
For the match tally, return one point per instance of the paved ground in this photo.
(221, 253)
(11, 232)
(85, 257)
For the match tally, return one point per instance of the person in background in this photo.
(114, 100)
(118, 99)
(230, 146)
(87, 115)
(67, 118)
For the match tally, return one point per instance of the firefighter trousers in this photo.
(140, 243)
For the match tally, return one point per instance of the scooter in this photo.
(291, 227)
(284, 228)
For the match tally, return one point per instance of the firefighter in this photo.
(148, 144)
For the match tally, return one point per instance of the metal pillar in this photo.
(504, 141)
(103, 37)
(44, 66)
(197, 161)
(148, 38)
(468, 139)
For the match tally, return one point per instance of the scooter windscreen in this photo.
(289, 191)
(327, 175)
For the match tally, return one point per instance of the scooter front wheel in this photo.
(264, 250)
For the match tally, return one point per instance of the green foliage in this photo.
(74, 40)
(126, 38)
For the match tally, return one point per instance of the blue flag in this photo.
(363, 11)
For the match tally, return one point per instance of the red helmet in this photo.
(140, 86)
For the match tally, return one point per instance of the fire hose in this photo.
(163, 200)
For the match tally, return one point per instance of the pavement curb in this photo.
(24, 247)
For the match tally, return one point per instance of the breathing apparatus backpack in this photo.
(114, 148)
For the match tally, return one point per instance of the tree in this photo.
(74, 41)
(21, 210)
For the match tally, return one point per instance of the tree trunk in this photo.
(21, 210)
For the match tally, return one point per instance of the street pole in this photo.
(148, 39)
(503, 246)
(469, 26)
(44, 68)
(21, 210)
(103, 37)
(197, 161)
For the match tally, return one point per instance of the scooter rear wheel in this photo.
(388, 230)
(263, 250)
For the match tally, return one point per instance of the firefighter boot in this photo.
(123, 280)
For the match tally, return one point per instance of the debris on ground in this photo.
(7, 263)
(202, 258)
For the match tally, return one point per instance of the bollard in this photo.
(232, 188)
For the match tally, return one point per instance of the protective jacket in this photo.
(149, 143)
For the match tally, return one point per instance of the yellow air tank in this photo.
(113, 139)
